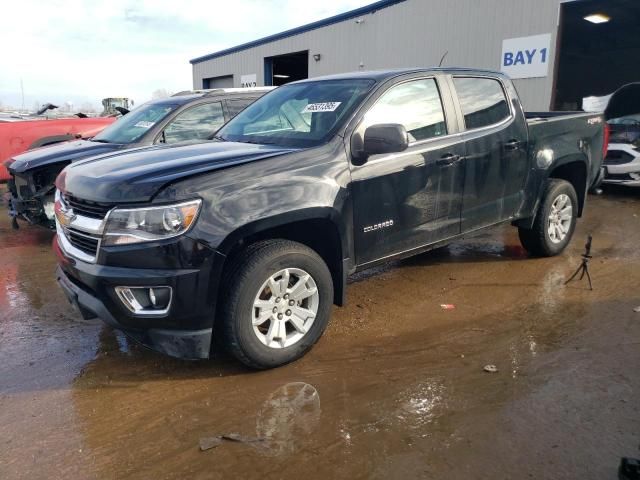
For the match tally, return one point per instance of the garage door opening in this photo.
(286, 68)
(225, 81)
(598, 54)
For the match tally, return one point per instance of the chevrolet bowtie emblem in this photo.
(65, 217)
(69, 215)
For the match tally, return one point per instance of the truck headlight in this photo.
(125, 226)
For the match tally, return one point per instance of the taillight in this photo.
(605, 140)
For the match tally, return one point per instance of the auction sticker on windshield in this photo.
(143, 124)
(321, 107)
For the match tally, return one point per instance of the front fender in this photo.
(51, 140)
(229, 216)
(281, 220)
(246, 198)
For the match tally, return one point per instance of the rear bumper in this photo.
(185, 332)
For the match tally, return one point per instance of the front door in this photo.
(406, 200)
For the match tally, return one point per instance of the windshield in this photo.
(631, 120)
(134, 124)
(297, 115)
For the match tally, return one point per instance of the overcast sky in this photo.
(82, 51)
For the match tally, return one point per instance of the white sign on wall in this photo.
(526, 57)
(249, 81)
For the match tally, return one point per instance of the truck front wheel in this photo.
(555, 221)
(277, 303)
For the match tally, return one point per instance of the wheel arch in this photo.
(573, 169)
(317, 228)
(44, 141)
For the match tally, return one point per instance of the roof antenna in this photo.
(443, 57)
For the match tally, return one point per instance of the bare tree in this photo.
(160, 93)
(87, 107)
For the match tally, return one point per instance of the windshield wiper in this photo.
(256, 143)
(100, 140)
(222, 139)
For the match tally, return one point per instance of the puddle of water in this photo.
(395, 389)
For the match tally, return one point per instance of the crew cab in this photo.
(250, 239)
(188, 116)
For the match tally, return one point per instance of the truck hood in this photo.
(61, 152)
(624, 101)
(138, 175)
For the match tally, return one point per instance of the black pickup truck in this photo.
(188, 116)
(250, 239)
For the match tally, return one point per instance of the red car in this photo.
(17, 137)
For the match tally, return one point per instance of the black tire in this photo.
(537, 240)
(244, 279)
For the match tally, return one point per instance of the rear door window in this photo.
(196, 123)
(236, 105)
(416, 105)
(482, 100)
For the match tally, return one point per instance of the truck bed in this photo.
(562, 131)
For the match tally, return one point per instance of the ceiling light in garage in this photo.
(597, 18)
(280, 76)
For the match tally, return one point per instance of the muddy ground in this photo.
(394, 390)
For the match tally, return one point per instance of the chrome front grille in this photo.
(87, 208)
(80, 225)
(87, 243)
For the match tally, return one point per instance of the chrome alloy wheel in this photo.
(285, 308)
(560, 218)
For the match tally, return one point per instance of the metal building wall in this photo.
(408, 34)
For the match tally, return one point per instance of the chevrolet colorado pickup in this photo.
(184, 117)
(249, 240)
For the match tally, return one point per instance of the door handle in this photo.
(512, 145)
(448, 159)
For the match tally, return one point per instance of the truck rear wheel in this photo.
(276, 304)
(555, 221)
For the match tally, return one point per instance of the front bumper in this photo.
(625, 182)
(184, 332)
(32, 209)
(626, 172)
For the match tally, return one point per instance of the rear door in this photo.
(409, 199)
(496, 150)
(235, 105)
(195, 124)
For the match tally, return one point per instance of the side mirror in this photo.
(385, 138)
